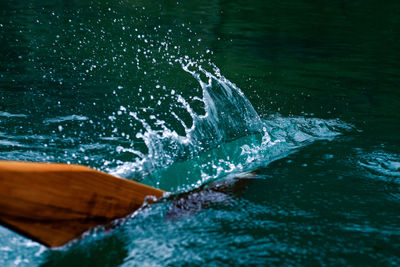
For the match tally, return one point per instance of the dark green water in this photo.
(150, 91)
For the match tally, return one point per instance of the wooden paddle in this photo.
(55, 203)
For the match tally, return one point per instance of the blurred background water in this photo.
(187, 96)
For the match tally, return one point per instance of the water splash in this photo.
(227, 115)
(227, 137)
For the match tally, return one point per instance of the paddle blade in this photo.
(55, 203)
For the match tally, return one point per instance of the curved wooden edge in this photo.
(55, 203)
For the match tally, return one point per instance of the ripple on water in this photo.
(382, 164)
(10, 115)
(66, 118)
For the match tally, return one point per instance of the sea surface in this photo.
(273, 125)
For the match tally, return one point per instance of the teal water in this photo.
(188, 96)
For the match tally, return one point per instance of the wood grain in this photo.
(55, 203)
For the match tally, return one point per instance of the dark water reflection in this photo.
(326, 58)
(64, 63)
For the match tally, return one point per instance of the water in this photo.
(191, 97)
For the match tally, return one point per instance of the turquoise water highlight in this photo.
(189, 96)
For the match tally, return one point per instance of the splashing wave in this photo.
(229, 137)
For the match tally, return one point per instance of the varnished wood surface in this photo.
(55, 203)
